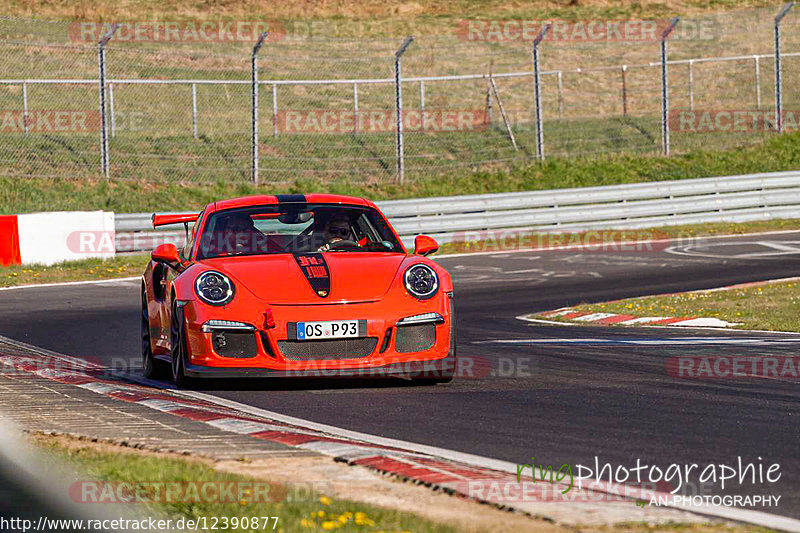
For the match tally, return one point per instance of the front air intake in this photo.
(416, 338)
(328, 349)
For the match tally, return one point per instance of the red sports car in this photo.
(311, 285)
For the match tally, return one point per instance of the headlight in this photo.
(421, 281)
(214, 288)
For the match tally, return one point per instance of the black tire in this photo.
(152, 368)
(178, 347)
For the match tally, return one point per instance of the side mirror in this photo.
(424, 245)
(166, 253)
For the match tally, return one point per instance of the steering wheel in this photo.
(345, 245)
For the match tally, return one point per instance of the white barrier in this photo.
(48, 238)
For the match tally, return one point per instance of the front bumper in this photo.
(436, 369)
(388, 358)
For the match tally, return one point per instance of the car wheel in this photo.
(151, 366)
(178, 347)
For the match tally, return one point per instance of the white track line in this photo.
(675, 341)
(69, 283)
(593, 247)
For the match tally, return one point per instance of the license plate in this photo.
(334, 329)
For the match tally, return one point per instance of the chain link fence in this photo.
(180, 101)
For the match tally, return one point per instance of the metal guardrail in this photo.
(630, 206)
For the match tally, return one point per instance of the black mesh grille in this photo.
(237, 344)
(328, 349)
(415, 338)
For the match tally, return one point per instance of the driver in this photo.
(239, 234)
(337, 228)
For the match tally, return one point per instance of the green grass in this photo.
(48, 194)
(314, 513)
(121, 266)
(771, 307)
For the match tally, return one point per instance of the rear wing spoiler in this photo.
(181, 218)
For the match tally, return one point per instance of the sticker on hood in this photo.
(316, 272)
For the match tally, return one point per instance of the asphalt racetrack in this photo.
(561, 394)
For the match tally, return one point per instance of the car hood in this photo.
(278, 279)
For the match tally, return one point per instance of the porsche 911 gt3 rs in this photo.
(296, 285)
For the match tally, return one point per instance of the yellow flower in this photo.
(324, 500)
(329, 525)
(321, 514)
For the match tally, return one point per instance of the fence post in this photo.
(691, 84)
(111, 110)
(624, 90)
(101, 57)
(355, 108)
(758, 81)
(254, 90)
(275, 110)
(398, 100)
(194, 110)
(503, 114)
(665, 86)
(778, 84)
(560, 95)
(537, 91)
(422, 104)
(489, 110)
(25, 108)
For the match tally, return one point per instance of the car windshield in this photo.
(296, 228)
